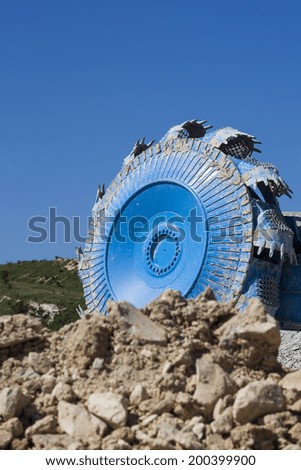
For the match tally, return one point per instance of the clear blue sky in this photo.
(80, 81)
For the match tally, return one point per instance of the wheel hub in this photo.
(152, 246)
(162, 251)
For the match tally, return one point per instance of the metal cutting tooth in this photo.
(272, 249)
(275, 179)
(100, 192)
(282, 252)
(79, 252)
(261, 246)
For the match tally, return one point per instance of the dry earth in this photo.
(290, 349)
(176, 375)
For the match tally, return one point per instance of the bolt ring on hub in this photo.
(162, 251)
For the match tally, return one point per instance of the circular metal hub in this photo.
(162, 251)
(154, 244)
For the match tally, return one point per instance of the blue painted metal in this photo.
(289, 313)
(156, 257)
(193, 211)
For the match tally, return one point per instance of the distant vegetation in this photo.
(25, 284)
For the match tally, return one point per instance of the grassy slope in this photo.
(42, 282)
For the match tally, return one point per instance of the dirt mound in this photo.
(177, 374)
(290, 351)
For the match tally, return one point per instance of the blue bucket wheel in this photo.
(178, 216)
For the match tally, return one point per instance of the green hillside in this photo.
(30, 286)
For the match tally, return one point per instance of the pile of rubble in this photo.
(177, 374)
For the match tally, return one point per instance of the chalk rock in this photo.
(110, 407)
